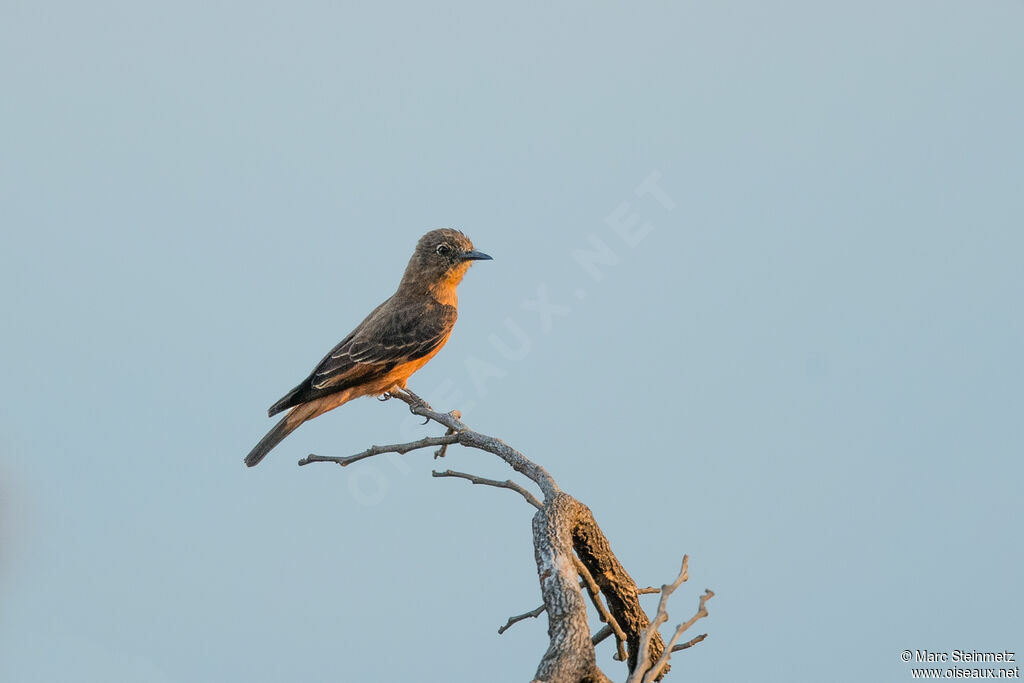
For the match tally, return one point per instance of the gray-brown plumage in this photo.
(393, 342)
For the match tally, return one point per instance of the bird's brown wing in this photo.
(405, 332)
(396, 332)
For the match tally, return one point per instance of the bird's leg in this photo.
(385, 396)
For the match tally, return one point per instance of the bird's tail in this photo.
(283, 428)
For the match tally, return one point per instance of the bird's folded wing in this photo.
(390, 336)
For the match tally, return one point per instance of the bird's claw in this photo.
(416, 402)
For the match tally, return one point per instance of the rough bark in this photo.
(617, 586)
(570, 656)
(562, 526)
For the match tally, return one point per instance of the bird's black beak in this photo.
(475, 256)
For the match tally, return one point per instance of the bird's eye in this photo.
(443, 249)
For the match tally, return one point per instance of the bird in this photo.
(395, 340)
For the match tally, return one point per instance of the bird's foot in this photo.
(413, 400)
(416, 404)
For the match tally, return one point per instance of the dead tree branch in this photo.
(462, 435)
(507, 484)
(662, 663)
(644, 672)
(519, 617)
(616, 584)
(440, 452)
(606, 617)
(601, 635)
(568, 544)
(570, 655)
(650, 632)
(690, 643)
(400, 448)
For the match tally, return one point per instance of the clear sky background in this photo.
(805, 371)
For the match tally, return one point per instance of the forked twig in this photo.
(662, 662)
(644, 671)
(400, 448)
(460, 434)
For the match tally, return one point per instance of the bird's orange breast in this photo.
(444, 290)
(400, 373)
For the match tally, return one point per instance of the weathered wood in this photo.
(570, 656)
(617, 586)
(568, 543)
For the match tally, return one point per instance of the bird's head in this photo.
(441, 259)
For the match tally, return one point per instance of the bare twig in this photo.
(617, 586)
(662, 662)
(606, 630)
(458, 433)
(570, 653)
(644, 659)
(468, 437)
(602, 634)
(690, 643)
(400, 448)
(532, 613)
(443, 450)
(507, 484)
(606, 617)
(566, 536)
(520, 617)
(644, 671)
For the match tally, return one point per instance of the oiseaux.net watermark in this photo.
(961, 663)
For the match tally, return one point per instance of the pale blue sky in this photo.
(807, 373)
